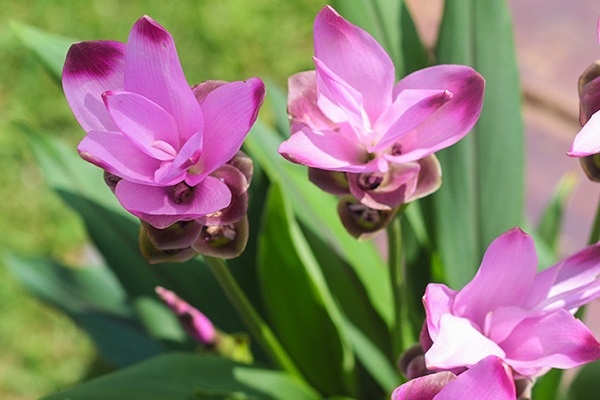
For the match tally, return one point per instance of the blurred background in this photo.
(41, 350)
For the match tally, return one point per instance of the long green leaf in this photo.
(186, 377)
(94, 300)
(550, 223)
(316, 211)
(50, 48)
(299, 303)
(483, 190)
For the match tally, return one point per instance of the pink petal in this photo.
(357, 58)
(92, 68)
(459, 344)
(587, 141)
(409, 110)
(302, 103)
(430, 178)
(489, 379)
(339, 101)
(398, 185)
(229, 112)
(149, 127)
(556, 340)
(452, 121)
(152, 69)
(438, 300)
(329, 150)
(155, 205)
(114, 153)
(504, 278)
(575, 280)
(424, 388)
(202, 90)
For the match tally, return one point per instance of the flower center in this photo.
(370, 180)
(181, 193)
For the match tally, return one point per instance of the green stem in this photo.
(401, 332)
(595, 233)
(254, 323)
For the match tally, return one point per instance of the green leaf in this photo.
(551, 220)
(299, 304)
(316, 210)
(483, 191)
(547, 387)
(94, 300)
(586, 384)
(50, 48)
(185, 377)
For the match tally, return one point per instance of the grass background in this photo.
(41, 350)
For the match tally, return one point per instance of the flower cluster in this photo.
(169, 151)
(520, 317)
(365, 137)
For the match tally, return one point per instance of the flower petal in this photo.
(506, 274)
(147, 125)
(114, 153)
(152, 69)
(587, 141)
(155, 205)
(398, 184)
(330, 150)
(438, 300)
(459, 344)
(339, 101)
(229, 111)
(575, 280)
(302, 103)
(453, 120)
(92, 68)
(355, 57)
(555, 340)
(409, 110)
(430, 178)
(489, 379)
(424, 388)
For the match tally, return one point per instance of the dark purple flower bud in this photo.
(589, 103)
(360, 220)
(401, 184)
(156, 256)
(244, 164)
(196, 324)
(111, 180)
(333, 182)
(180, 235)
(223, 241)
(236, 210)
(412, 362)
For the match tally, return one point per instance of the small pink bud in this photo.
(196, 324)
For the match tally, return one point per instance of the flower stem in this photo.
(595, 233)
(257, 327)
(401, 331)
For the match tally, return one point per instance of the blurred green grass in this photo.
(42, 350)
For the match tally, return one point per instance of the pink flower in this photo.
(489, 379)
(159, 140)
(511, 311)
(196, 324)
(350, 116)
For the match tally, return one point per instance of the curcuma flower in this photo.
(365, 134)
(489, 379)
(161, 143)
(511, 311)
